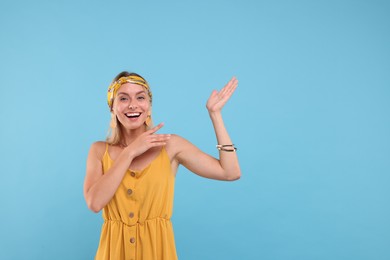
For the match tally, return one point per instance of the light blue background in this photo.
(310, 119)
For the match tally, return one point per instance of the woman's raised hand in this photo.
(148, 140)
(218, 99)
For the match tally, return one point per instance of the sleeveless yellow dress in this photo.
(137, 222)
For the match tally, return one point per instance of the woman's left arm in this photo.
(227, 167)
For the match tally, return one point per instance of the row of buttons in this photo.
(129, 192)
(131, 214)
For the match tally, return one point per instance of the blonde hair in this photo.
(115, 132)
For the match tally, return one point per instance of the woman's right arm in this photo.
(99, 188)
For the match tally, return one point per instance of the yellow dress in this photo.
(137, 222)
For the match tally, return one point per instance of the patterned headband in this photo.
(112, 89)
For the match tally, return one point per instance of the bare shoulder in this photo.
(178, 145)
(175, 145)
(97, 149)
(176, 139)
(177, 142)
(171, 145)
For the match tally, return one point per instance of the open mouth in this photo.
(133, 115)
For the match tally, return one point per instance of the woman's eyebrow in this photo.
(139, 92)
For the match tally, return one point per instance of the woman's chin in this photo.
(134, 125)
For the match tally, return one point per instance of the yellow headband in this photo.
(112, 89)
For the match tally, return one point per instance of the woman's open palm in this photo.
(218, 99)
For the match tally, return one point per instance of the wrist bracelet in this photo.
(226, 147)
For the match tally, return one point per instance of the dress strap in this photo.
(106, 148)
(106, 160)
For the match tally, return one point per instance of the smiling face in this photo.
(131, 106)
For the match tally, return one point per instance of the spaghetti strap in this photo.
(106, 156)
(106, 148)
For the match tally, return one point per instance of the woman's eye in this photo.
(141, 97)
(122, 99)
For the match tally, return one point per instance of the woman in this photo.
(131, 175)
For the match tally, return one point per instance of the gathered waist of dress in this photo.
(138, 222)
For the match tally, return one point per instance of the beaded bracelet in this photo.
(226, 147)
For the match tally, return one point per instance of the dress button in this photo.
(131, 215)
(132, 174)
(132, 240)
(129, 191)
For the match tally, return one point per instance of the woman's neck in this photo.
(129, 135)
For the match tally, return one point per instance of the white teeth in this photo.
(133, 114)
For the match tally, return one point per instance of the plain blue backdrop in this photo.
(310, 118)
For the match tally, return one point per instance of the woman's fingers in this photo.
(157, 139)
(160, 137)
(218, 98)
(228, 89)
(155, 129)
